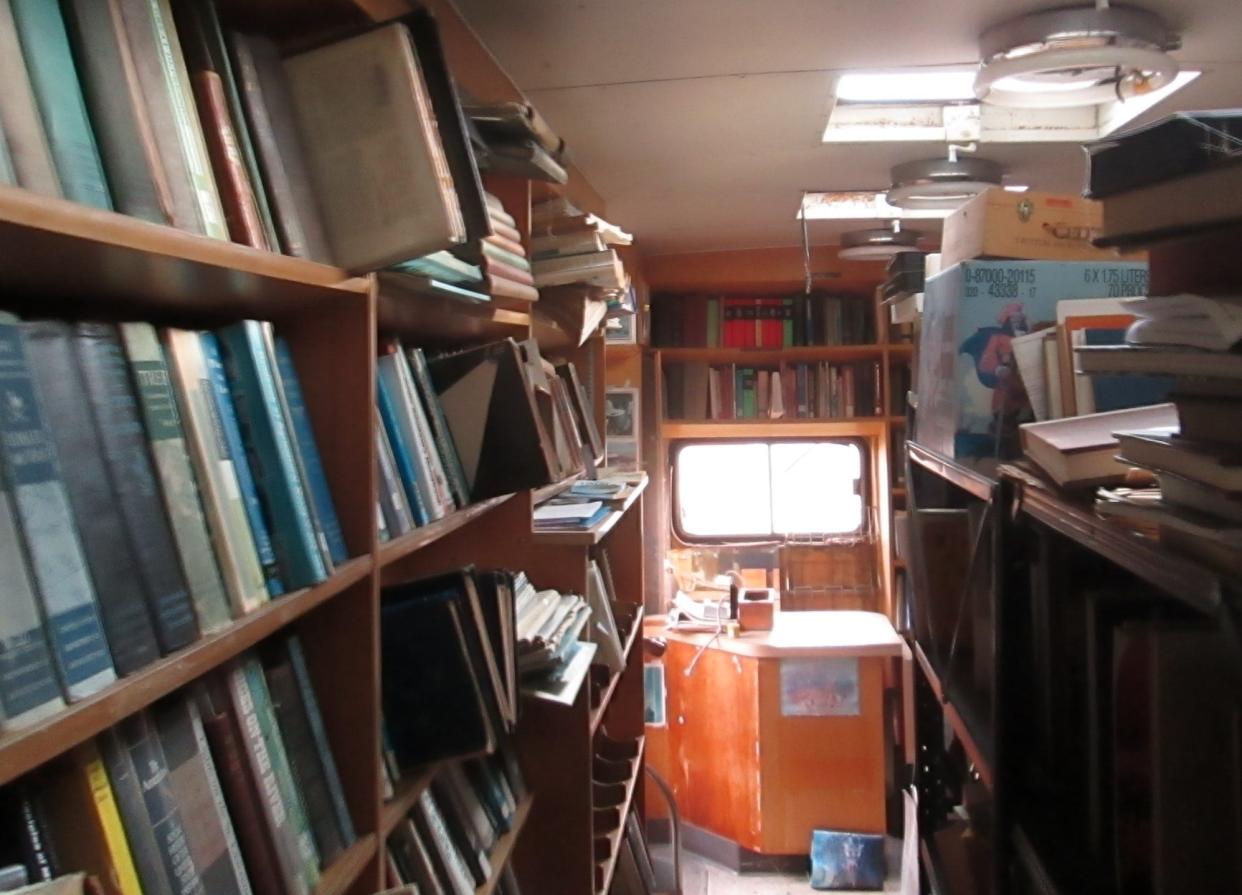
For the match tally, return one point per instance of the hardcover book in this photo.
(19, 114)
(140, 833)
(32, 476)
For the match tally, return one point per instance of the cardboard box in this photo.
(1035, 226)
(971, 400)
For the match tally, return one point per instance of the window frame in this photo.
(860, 442)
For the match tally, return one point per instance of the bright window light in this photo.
(909, 86)
(774, 489)
(1016, 187)
(859, 205)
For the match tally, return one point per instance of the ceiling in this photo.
(699, 121)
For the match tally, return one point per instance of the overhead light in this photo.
(912, 85)
(1075, 56)
(877, 244)
(941, 182)
(858, 205)
(1016, 187)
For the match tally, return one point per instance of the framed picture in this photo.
(622, 413)
(623, 455)
(622, 330)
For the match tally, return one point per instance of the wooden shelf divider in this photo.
(596, 533)
(503, 849)
(977, 746)
(598, 712)
(607, 867)
(25, 749)
(342, 873)
(408, 790)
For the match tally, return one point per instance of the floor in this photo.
(700, 876)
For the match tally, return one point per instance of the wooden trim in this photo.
(394, 550)
(504, 846)
(348, 867)
(858, 427)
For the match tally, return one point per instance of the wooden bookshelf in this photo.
(348, 869)
(425, 535)
(614, 680)
(503, 849)
(605, 868)
(774, 356)
(600, 530)
(406, 793)
(976, 742)
(678, 430)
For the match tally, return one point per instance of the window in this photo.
(750, 490)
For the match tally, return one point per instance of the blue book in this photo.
(401, 449)
(311, 461)
(231, 433)
(58, 93)
(270, 451)
(41, 505)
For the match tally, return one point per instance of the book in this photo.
(328, 525)
(58, 93)
(512, 260)
(414, 442)
(113, 94)
(503, 287)
(29, 691)
(85, 821)
(216, 472)
(278, 146)
(107, 546)
(31, 471)
(230, 430)
(245, 799)
(393, 506)
(414, 859)
(504, 270)
(595, 269)
(1202, 418)
(524, 158)
(1081, 450)
(373, 149)
(153, 388)
(106, 377)
(1169, 148)
(265, 432)
(160, 811)
(1213, 323)
(19, 114)
(442, 266)
(140, 832)
(310, 757)
(445, 447)
(196, 789)
(1160, 449)
(1186, 205)
(1179, 491)
(1159, 361)
(400, 438)
(452, 869)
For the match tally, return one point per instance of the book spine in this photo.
(290, 793)
(263, 768)
(28, 688)
(431, 469)
(459, 873)
(54, 78)
(115, 410)
(271, 453)
(392, 506)
(108, 816)
(242, 795)
(241, 208)
(316, 480)
(196, 790)
(33, 167)
(226, 416)
(216, 474)
(445, 446)
(66, 595)
(153, 387)
(37, 846)
(106, 546)
(297, 660)
(401, 435)
(109, 82)
(139, 832)
(189, 129)
(307, 770)
(163, 814)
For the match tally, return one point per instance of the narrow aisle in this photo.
(701, 876)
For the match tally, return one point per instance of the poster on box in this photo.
(971, 398)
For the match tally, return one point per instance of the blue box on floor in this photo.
(846, 860)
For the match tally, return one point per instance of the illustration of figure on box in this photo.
(991, 347)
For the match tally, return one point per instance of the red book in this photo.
(507, 271)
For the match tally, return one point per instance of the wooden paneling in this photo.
(749, 270)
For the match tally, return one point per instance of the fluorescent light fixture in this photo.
(859, 205)
(910, 86)
(1016, 187)
(1117, 115)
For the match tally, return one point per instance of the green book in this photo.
(19, 114)
(713, 322)
(158, 403)
(7, 174)
(252, 669)
(504, 256)
(787, 318)
(54, 78)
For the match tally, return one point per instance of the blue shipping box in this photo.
(971, 399)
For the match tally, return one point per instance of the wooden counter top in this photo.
(801, 634)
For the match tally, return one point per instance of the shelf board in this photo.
(858, 426)
(503, 849)
(547, 492)
(806, 353)
(408, 790)
(931, 868)
(596, 533)
(978, 748)
(341, 874)
(23, 750)
(597, 713)
(418, 538)
(439, 319)
(128, 266)
(1184, 579)
(609, 866)
(976, 483)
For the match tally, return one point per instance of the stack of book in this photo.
(549, 627)
(791, 391)
(155, 485)
(227, 787)
(1188, 329)
(571, 247)
(517, 141)
(506, 269)
(743, 321)
(157, 112)
(447, 843)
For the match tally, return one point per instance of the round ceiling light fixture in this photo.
(877, 244)
(1075, 56)
(941, 183)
